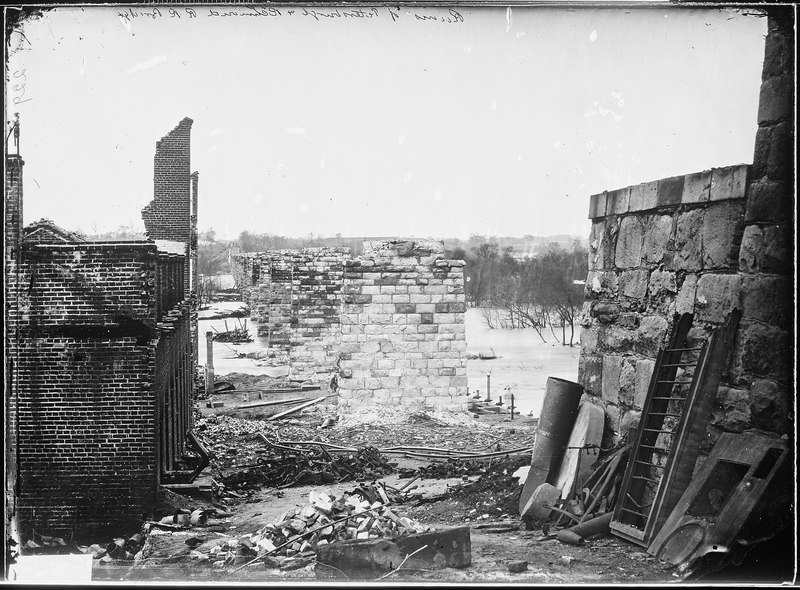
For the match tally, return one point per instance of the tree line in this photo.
(543, 292)
(536, 291)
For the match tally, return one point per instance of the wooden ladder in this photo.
(673, 423)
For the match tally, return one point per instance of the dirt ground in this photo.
(481, 494)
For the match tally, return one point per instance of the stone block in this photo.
(657, 238)
(588, 340)
(769, 202)
(627, 381)
(684, 301)
(764, 351)
(722, 228)
(629, 242)
(717, 295)
(605, 312)
(650, 335)
(767, 298)
(766, 249)
(775, 100)
(770, 406)
(728, 183)
(597, 206)
(643, 197)
(614, 338)
(697, 187)
(670, 191)
(731, 411)
(612, 367)
(644, 373)
(688, 240)
(662, 282)
(633, 283)
(590, 373)
(617, 201)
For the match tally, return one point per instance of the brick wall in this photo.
(403, 339)
(169, 215)
(704, 243)
(101, 384)
(84, 395)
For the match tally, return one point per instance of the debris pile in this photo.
(240, 333)
(325, 519)
(308, 467)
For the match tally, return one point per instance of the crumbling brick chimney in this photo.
(169, 215)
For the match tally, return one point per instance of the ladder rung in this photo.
(675, 382)
(665, 414)
(657, 430)
(649, 464)
(634, 512)
(677, 399)
(679, 365)
(680, 349)
(645, 478)
(662, 450)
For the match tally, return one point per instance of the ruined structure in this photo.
(99, 364)
(403, 334)
(390, 322)
(705, 243)
(295, 296)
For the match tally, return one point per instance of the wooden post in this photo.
(209, 363)
(512, 406)
(488, 387)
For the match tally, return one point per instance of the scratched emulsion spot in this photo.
(520, 35)
(212, 148)
(216, 132)
(83, 66)
(618, 97)
(401, 140)
(322, 163)
(494, 105)
(304, 208)
(593, 36)
(509, 19)
(258, 198)
(407, 176)
(437, 194)
(296, 130)
(279, 167)
(467, 49)
(147, 64)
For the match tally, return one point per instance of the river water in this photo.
(523, 365)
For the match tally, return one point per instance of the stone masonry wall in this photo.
(403, 337)
(295, 298)
(703, 243)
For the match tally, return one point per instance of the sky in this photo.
(417, 122)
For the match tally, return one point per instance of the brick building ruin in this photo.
(389, 324)
(100, 359)
(705, 244)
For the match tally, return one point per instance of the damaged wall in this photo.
(403, 333)
(84, 396)
(295, 297)
(703, 243)
(99, 374)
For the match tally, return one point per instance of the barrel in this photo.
(559, 411)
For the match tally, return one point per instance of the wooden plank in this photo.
(298, 408)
